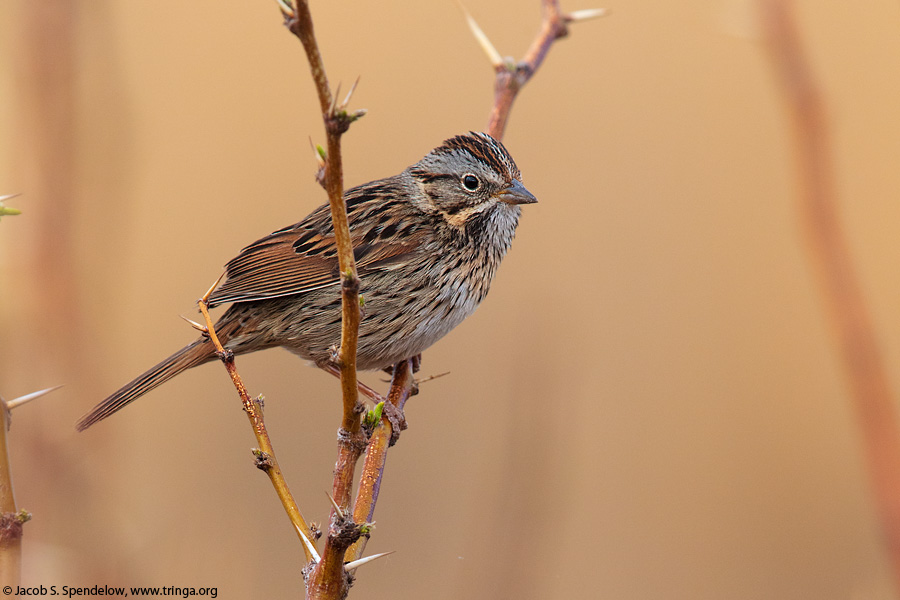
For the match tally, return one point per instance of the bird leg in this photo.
(394, 415)
(363, 388)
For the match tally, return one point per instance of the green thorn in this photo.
(7, 211)
(321, 151)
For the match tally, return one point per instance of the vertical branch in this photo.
(328, 579)
(11, 519)
(828, 251)
(337, 120)
(10, 525)
(402, 387)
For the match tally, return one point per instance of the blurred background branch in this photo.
(833, 265)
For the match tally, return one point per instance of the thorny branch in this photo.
(298, 20)
(510, 75)
(11, 518)
(834, 268)
(265, 454)
(403, 386)
(329, 576)
(327, 579)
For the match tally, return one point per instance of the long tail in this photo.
(191, 355)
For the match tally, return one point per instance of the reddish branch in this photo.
(511, 76)
(402, 387)
(833, 266)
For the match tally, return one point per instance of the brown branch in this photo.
(10, 530)
(11, 519)
(298, 20)
(265, 454)
(833, 266)
(510, 76)
(327, 579)
(402, 387)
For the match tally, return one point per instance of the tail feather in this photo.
(191, 355)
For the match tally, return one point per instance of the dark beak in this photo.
(516, 194)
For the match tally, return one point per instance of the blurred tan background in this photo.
(648, 405)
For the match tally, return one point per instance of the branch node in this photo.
(353, 441)
(263, 460)
(11, 525)
(344, 532)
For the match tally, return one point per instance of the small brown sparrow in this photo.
(427, 243)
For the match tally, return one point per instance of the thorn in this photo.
(318, 151)
(355, 564)
(337, 92)
(482, 39)
(29, 397)
(585, 14)
(432, 377)
(6, 210)
(350, 93)
(309, 545)
(9, 196)
(337, 509)
(287, 9)
(195, 325)
(205, 298)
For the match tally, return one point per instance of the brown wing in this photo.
(303, 257)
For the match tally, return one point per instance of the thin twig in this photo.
(510, 76)
(828, 250)
(265, 455)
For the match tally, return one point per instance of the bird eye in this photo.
(470, 182)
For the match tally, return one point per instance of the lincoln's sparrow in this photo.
(427, 244)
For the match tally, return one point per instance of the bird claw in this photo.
(397, 419)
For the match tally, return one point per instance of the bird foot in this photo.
(397, 418)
